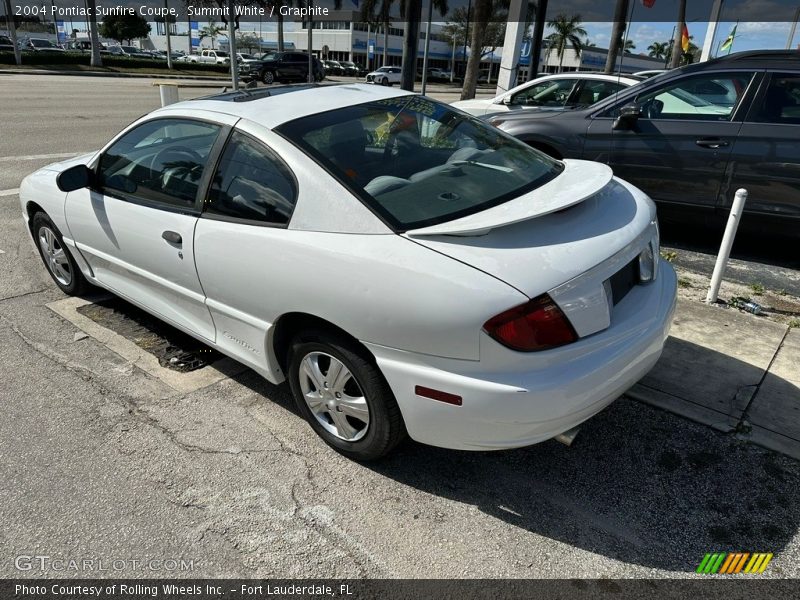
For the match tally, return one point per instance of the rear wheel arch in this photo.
(290, 325)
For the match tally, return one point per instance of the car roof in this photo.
(752, 59)
(275, 105)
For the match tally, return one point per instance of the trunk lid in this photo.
(568, 240)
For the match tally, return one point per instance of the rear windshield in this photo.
(417, 162)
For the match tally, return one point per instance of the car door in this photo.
(765, 158)
(135, 226)
(678, 149)
(249, 204)
(296, 66)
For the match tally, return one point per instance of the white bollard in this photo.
(727, 243)
(169, 94)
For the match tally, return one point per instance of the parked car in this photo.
(131, 51)
(551, 92)
(385, 76)
(435, 74)
(333, 67)
(42, 45)
(282, 67)
(485, 295)
(6, 45)
(352, 69)
(692, 136)
(211, 57)
(84, 46)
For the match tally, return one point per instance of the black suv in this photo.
(282, 67)
(692, 136)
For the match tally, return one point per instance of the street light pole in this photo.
(12, 30)
(794, 28)
(169, 40)
(427, 46)
(232, 45)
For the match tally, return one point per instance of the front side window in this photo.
(251, 184)
(160, 161)
(416, 162)
(706, 97)
(781, 103)
(550, 93)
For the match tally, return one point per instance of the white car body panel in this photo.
(417, 301)
(487, 106)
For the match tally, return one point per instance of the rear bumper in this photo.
(534, 397)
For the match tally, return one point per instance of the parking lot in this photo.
(103, 457)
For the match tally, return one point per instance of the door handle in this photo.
(711, 143)
(172, 237)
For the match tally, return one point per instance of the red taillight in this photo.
(535, 325)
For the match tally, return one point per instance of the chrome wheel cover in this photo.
(334, 396)
(55, 257)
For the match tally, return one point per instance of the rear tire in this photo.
(342, 394)
(56, 256)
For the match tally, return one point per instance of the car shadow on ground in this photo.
(639, 485)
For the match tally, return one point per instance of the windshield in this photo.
(416, 162)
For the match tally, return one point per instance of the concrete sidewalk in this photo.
(736, 372)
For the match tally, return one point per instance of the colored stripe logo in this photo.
(731, 563)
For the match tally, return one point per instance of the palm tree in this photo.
(620, 14)
(677, 50)
(658, 50)
(212, 30)
(369, 15)
(628, 46)
(96, 60)
(567, 30)
(411, 11)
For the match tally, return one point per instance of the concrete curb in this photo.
(108, 74)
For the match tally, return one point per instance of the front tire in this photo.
(339, 390)
(56, 256)
(385, 81)
(268, 77)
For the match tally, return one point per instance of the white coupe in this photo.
(551, 92)
(408, 268)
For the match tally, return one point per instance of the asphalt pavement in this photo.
(102, 459)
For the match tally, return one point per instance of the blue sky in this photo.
(749, 36)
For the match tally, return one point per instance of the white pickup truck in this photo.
(211, 57)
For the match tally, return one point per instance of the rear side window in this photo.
(781, 103)
(251, 184)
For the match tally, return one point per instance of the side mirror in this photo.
(628, 115)
(507, 100)
(74, 178)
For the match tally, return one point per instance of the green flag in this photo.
(728, 43)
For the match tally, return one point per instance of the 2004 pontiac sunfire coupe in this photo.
(408, 268)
